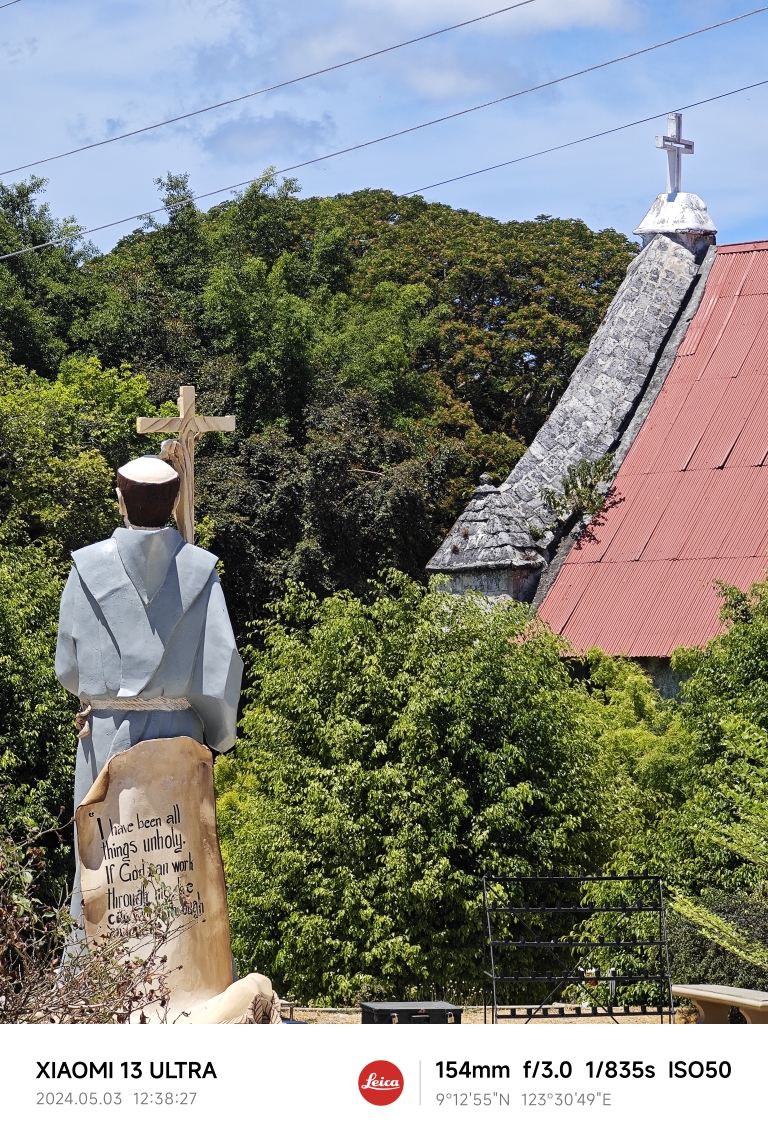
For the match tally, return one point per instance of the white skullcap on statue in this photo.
(148, 470)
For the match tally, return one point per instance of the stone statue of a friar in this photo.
(146, 643)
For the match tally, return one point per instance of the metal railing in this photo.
(557, 942)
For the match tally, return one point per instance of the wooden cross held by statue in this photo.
(181, 452)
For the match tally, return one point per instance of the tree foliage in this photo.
(37, 737)
(393, 751)
(379, 354)
(60, 442)
(43, 292)
(691, 788)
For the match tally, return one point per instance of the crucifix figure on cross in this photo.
(180, 453)
(676, 147)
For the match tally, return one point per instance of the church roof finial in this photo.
(677, 213)
(675, 146)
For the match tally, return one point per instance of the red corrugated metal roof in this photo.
(742, 247)
(727, 424)
(738, 336)
(691, 498)
(757, 357)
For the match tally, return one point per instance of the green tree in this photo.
(37, 731)
(60, 442)
(379, 353)
(671, 781)
(393, 751)
(441, 337)
(43, 293)
(689, 789)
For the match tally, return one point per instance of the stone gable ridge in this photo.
(506, 536)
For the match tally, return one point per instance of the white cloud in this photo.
(541, 15)
(251, 138)
(13, 52)
(441, 76)
(317, 35)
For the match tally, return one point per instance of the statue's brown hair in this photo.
(148, 505)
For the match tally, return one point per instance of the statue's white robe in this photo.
(143, 615)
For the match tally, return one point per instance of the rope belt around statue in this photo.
(88, 705)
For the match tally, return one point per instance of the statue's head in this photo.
(147, 490)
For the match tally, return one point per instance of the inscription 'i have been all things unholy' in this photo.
(132, 880)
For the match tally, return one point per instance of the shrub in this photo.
(393, 751)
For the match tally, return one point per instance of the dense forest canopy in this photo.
(379, 353)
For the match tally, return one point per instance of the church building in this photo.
(674, 386)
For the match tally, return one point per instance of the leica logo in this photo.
(380, 1082)
(373, 1082)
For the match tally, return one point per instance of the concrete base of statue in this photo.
(146, 834)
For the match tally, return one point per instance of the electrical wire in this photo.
(358, 146)
(444, 182)
(264, 90)
(10, 3)
(584, 139)
(371, 55)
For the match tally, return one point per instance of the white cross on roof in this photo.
(676, 147)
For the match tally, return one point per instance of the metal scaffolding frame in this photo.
(542, 914)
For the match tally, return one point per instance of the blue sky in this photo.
(76, 71)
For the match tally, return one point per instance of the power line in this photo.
(444, 182)
(407, 130)
(584, 139)
(10, 3)
(264, 90)
(359, 59)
